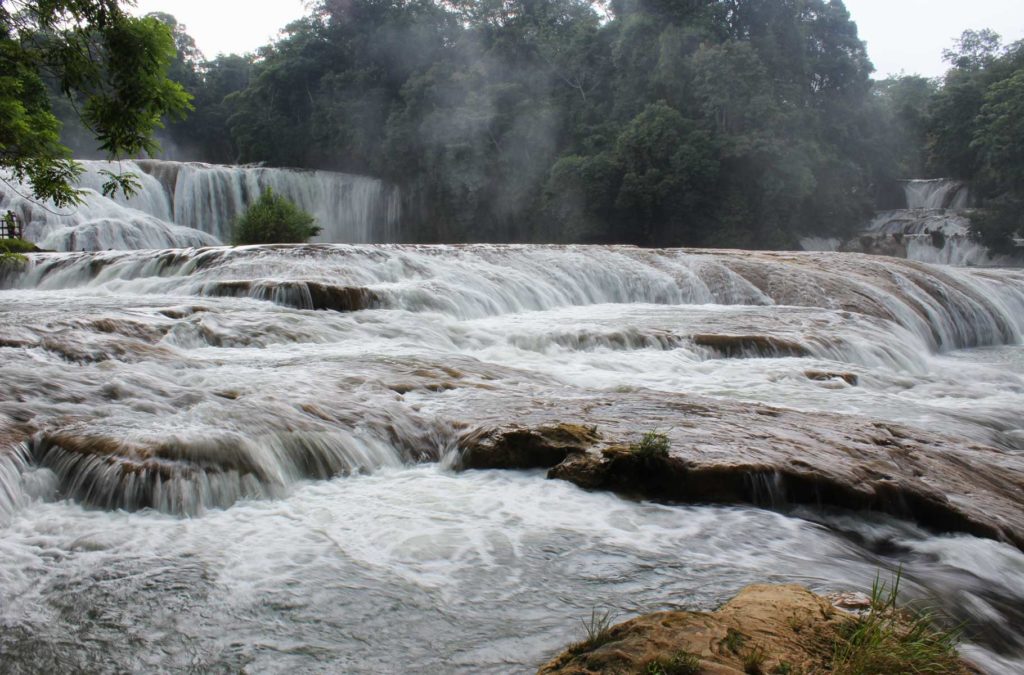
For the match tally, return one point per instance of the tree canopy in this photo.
(709, 122)
(109, 66)
(738, 122)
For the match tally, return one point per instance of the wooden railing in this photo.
(11, 226)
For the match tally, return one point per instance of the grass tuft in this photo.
(653, 445)
(599, 632)
(734, 640)
(889, 640)
(753, 661)
(680, 663)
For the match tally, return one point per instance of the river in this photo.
(205, 472)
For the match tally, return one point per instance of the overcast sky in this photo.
(902, 35)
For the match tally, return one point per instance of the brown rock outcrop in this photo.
(750, 345)
(765, 628)
(297, 294)
(726, 452)
(518, 447)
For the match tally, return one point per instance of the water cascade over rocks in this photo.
(263, 458)
(191, 205)
(933, 227)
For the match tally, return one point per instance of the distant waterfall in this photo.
(350, 209)
(190, 205)
(940, 193)
(934, 227)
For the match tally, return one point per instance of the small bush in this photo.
(653, 445)
(11, 251)
(16, 246)
(680, 663)
(273, 219)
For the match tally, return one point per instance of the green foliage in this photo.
(680, 663)
(273, 219)
(734, 640)
(997, 225)
(12, 251)
(888, 640)
(976, 132)
(110, 64)
(16, 246)
(741, 123)
(999, 133)
(904, 115)
(753, 661)
(653, 445)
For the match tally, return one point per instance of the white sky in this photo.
(909, 35)
(902, 35)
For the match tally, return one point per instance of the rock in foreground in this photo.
(764, 629)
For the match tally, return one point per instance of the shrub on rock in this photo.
(273, 219)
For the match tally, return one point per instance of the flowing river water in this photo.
(245, 459)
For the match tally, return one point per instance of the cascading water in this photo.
(940, 193)
(313, 448)
(932, 227)
(350, 209)
(183, 205)
(99, 223)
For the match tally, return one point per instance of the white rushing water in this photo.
(938, 193)
(181, 205)
(310, 450)
(933, 228)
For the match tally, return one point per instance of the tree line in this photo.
(745, 123)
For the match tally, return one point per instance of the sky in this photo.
(902, 35)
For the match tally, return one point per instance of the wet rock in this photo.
(850, 601)
(784, 628)
(727, 453)
(517, 447)
(826, 375)
(750, 345)
(182, 312)
(297, 294)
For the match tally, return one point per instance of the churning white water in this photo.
(181, 204)
(220, 473)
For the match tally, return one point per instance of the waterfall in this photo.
(207, 197)
(934, 228)
(939, 193)
(183, 205)
(100, 223)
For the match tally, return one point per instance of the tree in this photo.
(273, 219)
(699, 122)
(669, 167)
(110, 65)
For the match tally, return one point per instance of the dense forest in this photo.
(743, 123)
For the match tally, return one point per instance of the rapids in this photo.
(206, 470)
